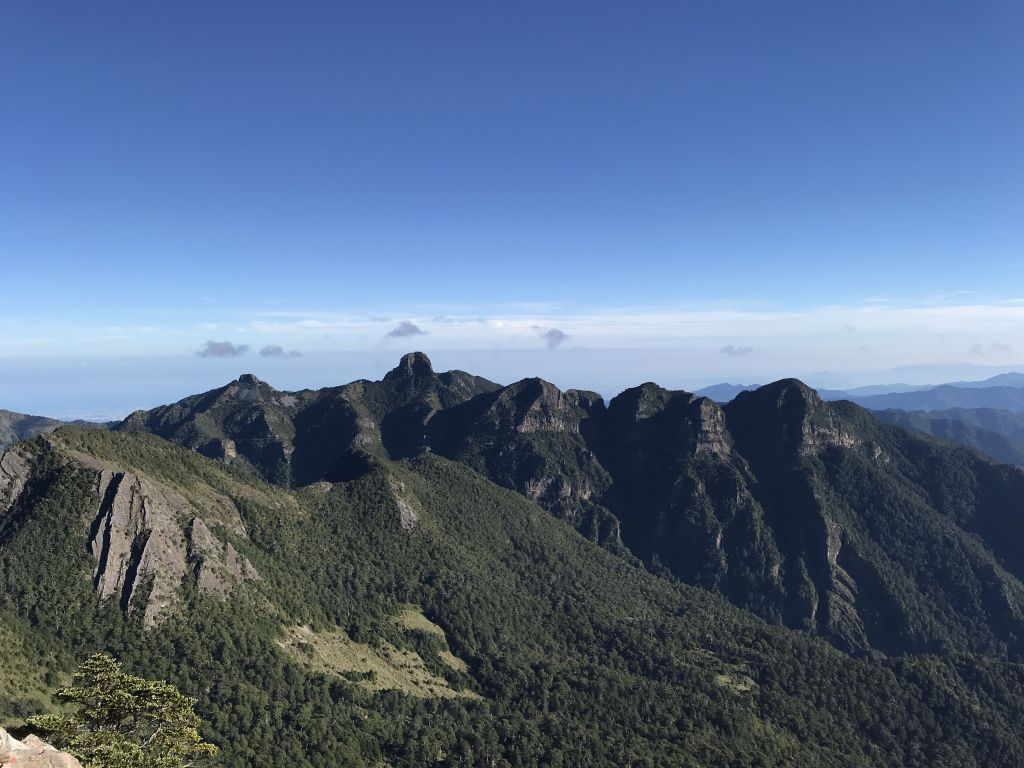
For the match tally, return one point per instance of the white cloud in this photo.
(731, 350)
(273, 350)
(815, 338)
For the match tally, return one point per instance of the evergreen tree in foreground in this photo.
(125, 721)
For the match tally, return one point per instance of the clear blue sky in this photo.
(749, 182)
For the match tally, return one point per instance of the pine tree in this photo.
(125, 721)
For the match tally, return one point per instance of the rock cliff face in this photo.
(32, 753)
(146, 539)
(530, 437)
(13, 475)
(147, 542)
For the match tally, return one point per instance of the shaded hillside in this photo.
(20, 426)
(723, 393)
(1000, 434)
(421, 615)
(948, 396)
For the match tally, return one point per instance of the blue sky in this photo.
(743, 189)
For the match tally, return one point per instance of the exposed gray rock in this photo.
(711, 434)
(33, 752)
(148, 541)
(13, 475)
(408, 514)
(218, 565)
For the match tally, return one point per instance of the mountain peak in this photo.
(790, 388)
(249, 378)
(784, 393)
(789, 409)
(412, 364)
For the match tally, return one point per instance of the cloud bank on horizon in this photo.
(160, 358)
(871, 335)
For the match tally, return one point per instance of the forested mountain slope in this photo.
(1000, 434)
(811, 514)
(1008, 398)
(421, 615)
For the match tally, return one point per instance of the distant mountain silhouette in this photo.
(998, 433)
(947, 396)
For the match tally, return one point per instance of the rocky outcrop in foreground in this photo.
(33, 752)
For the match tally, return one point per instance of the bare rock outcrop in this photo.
(218, 565)
(148, 542)
(408, 512)
(33, 752)
(13, 476)
(711, 435)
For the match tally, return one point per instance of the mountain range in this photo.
(20, 426)
(436, 569)
(789, 506)
(1004, 391)
(1000, 434)
(945, 397)
(985, 415)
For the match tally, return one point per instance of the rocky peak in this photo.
(535, 405)
(413, 365)
(642, 402)
(247, 387)
(788, 391)
(462, 386)
(793, 413)
(588, 401)
(711, 434)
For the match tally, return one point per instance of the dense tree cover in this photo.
(580, 657)
(124, 721)
(998, 433)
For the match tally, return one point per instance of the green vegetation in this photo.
(377, 667)
(998, 433)
(573, 655)
(25, 685)
(123, 721)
